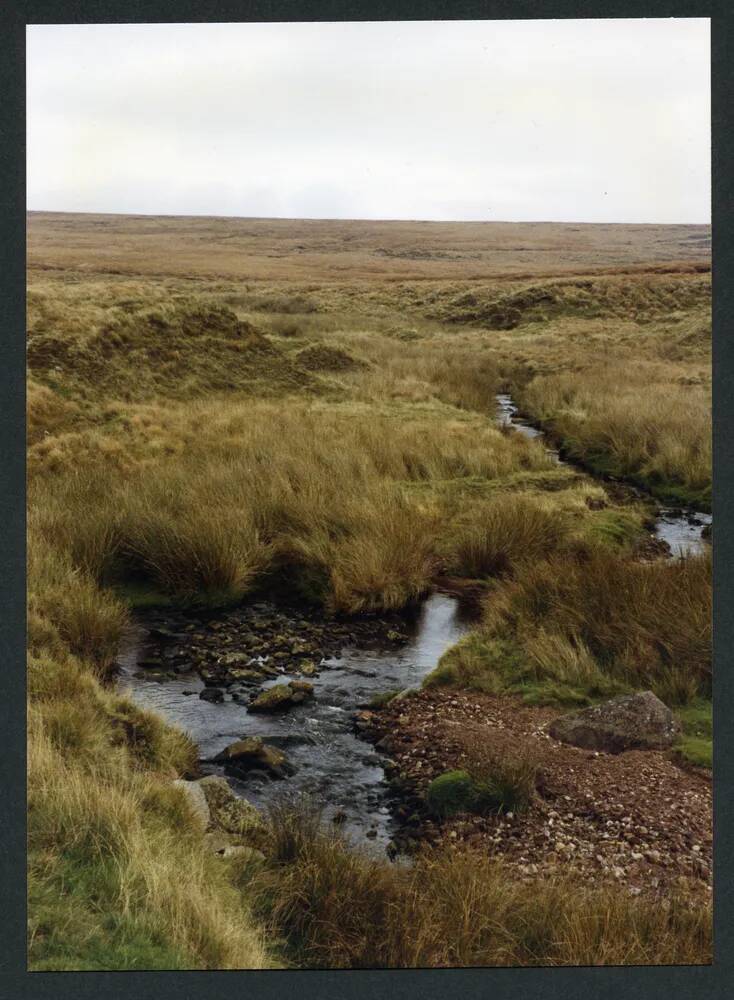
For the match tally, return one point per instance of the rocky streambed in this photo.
(280, 687)
(279, 699)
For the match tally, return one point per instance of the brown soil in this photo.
(634, 818)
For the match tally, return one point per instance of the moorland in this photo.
(221, 410)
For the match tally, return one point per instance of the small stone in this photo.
(212, 694)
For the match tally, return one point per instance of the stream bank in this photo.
(200, 671)
(684, 532)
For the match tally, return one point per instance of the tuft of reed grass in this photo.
(340, 907)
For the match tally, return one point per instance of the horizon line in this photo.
(315, 218)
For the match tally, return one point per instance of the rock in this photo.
(217, 842)
(151, 663)
(228, 812)
(281, 697)
(630, 722)
(253, 754)
(212, 694)
(339, 817)
(196, 799)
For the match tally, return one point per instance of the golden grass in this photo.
(177, 442)
(588, 624)
(341, 908)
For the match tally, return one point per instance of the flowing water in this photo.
(682, 530)
(334, 767)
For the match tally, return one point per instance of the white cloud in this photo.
(588, 120)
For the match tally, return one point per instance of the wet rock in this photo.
(281, 697)
(212, 694)
(151, 663)
(251, 754)
(630, 722)
(228, 812)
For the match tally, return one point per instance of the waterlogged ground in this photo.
(334, 767)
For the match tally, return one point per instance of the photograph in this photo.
(369, 494)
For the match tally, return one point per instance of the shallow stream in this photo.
(333, 766)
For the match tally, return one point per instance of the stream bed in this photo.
(341, 773)
(333, 767)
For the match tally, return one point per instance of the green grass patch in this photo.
(696, 741)
(616, 528)
(497, 666)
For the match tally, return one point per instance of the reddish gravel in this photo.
(634, 818)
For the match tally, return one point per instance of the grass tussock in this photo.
(571, 629)
(195, 437)
(628, 423)
(341, 908)
(250, 489)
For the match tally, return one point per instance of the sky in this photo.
(598, 120)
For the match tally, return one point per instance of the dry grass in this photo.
(109, 836)
(311, 250)
(178, 444)
(572, 628)
(340, 908)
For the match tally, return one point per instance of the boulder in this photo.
(196, 799)
(630, 722)
(253, 754)
(247, 855)
(281, 697)
(229, 813)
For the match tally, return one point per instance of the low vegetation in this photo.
(338, 907)
(571, 629)
(203, 437)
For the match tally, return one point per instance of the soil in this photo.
(634, 818)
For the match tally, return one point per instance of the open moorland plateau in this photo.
(369, 613)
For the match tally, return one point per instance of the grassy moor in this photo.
(293, 428)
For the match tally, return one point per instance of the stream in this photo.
(680, 529)
(333, 766)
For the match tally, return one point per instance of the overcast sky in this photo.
(576, 120)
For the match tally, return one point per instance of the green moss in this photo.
(696, 741)
(504, 786)
(384, 698)
(615, 527)
(451, 793)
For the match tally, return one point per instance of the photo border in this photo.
(709, 982)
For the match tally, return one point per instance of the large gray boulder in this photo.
(631, 722)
